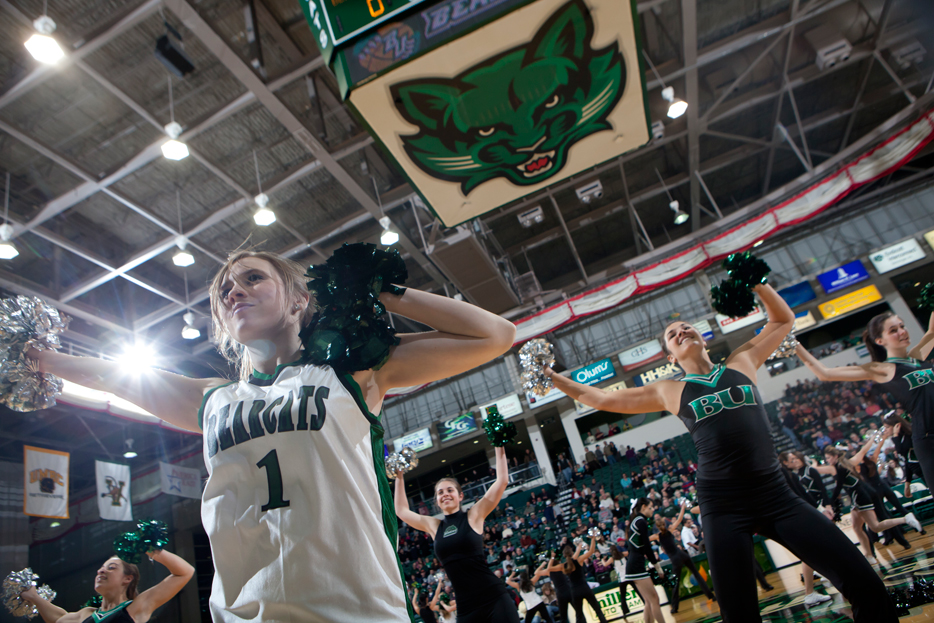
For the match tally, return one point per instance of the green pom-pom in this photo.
(127, 547)
(93, 602)
(733, 299)
(747, 269)
(926, 298)
(350, 330)
(153, 534)
(498, 431)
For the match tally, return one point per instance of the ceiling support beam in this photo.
(567, 236)
(894, 76)
(216, 45)
(864, 79)
(786, 87)
(689, 39)
(804, 161)
(713, 201)
(634, 219)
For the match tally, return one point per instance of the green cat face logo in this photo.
(517, 114)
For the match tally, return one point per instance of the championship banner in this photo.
(113, 491)
(181, 481)
(45, 490)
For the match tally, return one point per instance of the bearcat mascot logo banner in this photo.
(45, 491)
(113, 491)
(534, 97)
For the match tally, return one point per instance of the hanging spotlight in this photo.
(182, 258)
(264, 216)
(174, 149)
(680, 215)
(389, 237)
(7, 250)
(189, 332)
(677, 106)
(759, 243)
(129, 452)
(41, 45)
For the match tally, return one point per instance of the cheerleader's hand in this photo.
(548, 372)
(828, 513)
(31, 595)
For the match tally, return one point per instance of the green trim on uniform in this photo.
(353, 387)
(259, 376)
(390, 524)
(99, 616)
(710, 380)
(910, 361)
(204, 402)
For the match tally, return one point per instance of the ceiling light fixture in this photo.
(129, 452)
(7, 250)
(41, 45)
(183, 258)
(173, 149)
(389, 237)
(676, 107)
(189, 332)
(681, 216)
(264, 216)
(55, 524)
(759, 243)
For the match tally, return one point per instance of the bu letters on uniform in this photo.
(712, 404)
(226, 430)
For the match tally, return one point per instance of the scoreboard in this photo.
(483, 102)
(336, 22)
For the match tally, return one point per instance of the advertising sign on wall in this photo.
(508, 406)
(595, 372)
(703, 327)
(896, 255)
(457, 426)
(661, 373)
(538, 401)
(418, 440)
(610, 604)
(930, 238)
(849, 302)
(798, 294)
(728, 325)
(843, 276)
(804, 319)
(640, 355)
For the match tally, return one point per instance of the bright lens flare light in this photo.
(7, 250)
(264, 217)
(677, 109)
(137, 358)
(183, 258)
(45, 49)
(174, 150)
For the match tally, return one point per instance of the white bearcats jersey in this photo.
(297, 504)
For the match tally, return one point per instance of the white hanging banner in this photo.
(45, 490)
(181, 481)
(113, 491)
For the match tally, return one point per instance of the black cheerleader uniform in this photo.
(905, 447)
(640, 550)
(679, 559)
(114, 615)
(742, 492)
(481, 596)
(913, 387)
(860, 492)
(562, 586)
(581, 592)
(812, 484)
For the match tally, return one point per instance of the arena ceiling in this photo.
(97, 210)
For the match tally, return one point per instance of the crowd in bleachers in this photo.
(606, 480)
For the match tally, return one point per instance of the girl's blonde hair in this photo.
(292, 276)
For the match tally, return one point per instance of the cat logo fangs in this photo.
(515, 115)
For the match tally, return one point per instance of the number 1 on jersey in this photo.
(270, 463)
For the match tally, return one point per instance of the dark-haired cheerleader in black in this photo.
(573, 567)
(640, 553)
(906, 374)
(904, 446)
(481, 596)
(863, 510)
(678, 557)
(424, 608)
(562, 586)
(739, 481)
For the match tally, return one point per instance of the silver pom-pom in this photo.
(594, 532)
(787, 347)
(27, 322)
(404, 461)
(544, 557)
(578, 540)
(16, 583)
(439, 577)
(534, 356)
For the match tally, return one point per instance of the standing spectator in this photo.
(599, 454)
(789, 421)
(689, 537)
(591, 458)
(631, 456)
